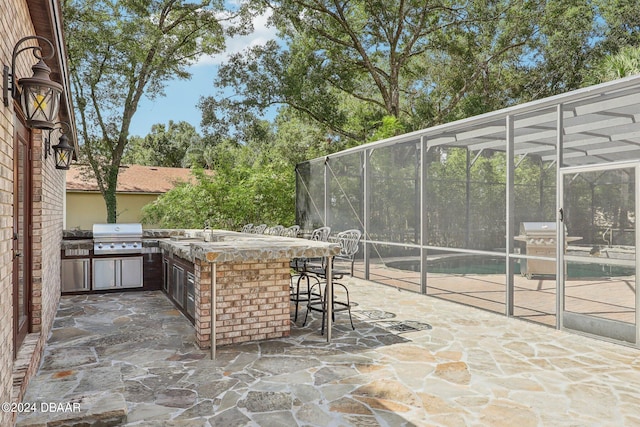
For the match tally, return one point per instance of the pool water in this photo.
(473, 264)
(456, 265)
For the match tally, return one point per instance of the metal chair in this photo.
(259, 229)
(276, 230)
(291, 231)
(317, 301)
(247, 228)
(299, 265)
(321, 234)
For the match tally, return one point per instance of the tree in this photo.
(247, 186)
(345, 65)
(164, 146)
(120, 50)
(621, 22)
(625, 63)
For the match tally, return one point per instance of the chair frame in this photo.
(259, 229)
(349, 245)
(276, 230)
(291, 231)
(299, 265)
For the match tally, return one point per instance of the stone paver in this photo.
(131, 359)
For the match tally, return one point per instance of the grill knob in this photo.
(135, 245)
(124, 245)
(113, 246)
(99, 245)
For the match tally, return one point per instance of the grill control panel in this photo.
(101, 248)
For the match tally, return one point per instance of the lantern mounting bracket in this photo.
(9, 76)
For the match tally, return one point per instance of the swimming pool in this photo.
(482, 264)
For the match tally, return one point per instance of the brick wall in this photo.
(252, 301)
(202, 271)
(48, 218)
(15, 23)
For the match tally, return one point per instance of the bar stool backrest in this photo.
(349, 244)
(259, 229)
(321, 234)
(276, 230)
(247, 228)
(291, 231)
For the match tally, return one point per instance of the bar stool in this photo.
(349, 244)
(299, 265)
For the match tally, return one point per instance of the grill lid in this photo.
(117, 239)
(537, 228)
(110, 232)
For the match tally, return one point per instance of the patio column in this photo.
(327, 195)
(510, 215)
(366, 209)
(559, 223)
(423, 214)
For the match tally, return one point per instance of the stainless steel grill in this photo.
(117, 239)
(540, 241)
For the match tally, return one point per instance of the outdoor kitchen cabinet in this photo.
(191, 294)
(179, 284)
(76, 275)
(114, 273)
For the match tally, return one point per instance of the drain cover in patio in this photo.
(405, 326)
(376, 314)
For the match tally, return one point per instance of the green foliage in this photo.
(165, 146)
(341, 58)
(389, 126)
(621, 24)
(248, 185)
(346, 65)
(625, 63)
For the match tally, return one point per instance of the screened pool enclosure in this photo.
(528, 211)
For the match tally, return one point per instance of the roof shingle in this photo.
(131, 179)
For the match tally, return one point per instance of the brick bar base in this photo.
(252, 301)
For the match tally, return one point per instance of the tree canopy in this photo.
(347, 64)
(166, 145)
(347, 72)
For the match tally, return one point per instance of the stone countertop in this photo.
(147, 233)
(87, 244)
(231, 246)
(83, 239)
(77, 244)
(221, 245)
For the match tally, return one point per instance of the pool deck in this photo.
(534, 299)
(130, 359)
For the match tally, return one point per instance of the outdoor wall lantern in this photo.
(39, 96)
(62, 151)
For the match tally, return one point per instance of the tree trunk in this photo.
(110, 202)
(110, 195)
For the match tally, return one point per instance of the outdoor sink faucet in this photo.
(207, 234)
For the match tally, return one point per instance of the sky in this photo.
(182, 96)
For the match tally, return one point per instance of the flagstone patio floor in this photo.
(130, 359)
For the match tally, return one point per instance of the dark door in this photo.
(21, 237)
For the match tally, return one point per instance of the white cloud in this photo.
(260, 35)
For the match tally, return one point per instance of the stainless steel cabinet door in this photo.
(131, 272)
(104, 273)
(75, 275)
(178, 285)
(191, 294)
(109, 273)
